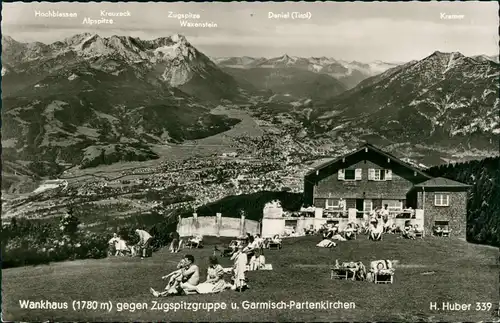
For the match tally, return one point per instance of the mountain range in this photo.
(348, 73)
(89, 100)
(445, 99)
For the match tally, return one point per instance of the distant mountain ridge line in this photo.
(118, 95)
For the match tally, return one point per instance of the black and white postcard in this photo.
(246, 161)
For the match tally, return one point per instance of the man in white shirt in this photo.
(144, 241)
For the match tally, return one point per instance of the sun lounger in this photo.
(348, 270)
(382, 271)
(342, 273)
(274, 244)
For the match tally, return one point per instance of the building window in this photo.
(331, 203)
(350, 174)
(441, 199)
(393, 205)
(368, 206)
(379, 175)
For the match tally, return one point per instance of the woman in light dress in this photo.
(215, 279)
(239, 268)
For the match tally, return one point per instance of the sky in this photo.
(362, 31)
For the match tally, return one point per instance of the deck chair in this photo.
(275, 243)
(446, 232)
(419, 234)
(344, 271)
(382, 271)
(348, 270)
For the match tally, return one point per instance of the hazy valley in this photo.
(162, 126)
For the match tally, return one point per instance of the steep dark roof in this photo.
(441, 182)
(374, 149)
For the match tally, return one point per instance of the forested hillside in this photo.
(483, 217)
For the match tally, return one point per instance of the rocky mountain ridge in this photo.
(445, 99)
(89, 100)
(350, 73)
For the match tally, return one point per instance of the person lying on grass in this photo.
(376, 232)
(326, 243)
(184, 280)
(215, 279)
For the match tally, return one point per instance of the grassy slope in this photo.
(464, 273)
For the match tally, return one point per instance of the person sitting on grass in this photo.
(417, 229)
(257, 261)
(144, 241)
(252, 246)
(376, 232)
(388, 223)
(276, 239)
(349, 231)
(215, 279)
(393, 228)
(174, 281)
(409, 232)
(112, 249)
(260, 242)
(195, 241)
(175, 245)
(185, 281)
